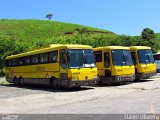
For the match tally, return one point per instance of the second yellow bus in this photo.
(114, 64)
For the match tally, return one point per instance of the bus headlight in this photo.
(74, 78)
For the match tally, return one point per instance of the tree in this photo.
(148, 34)
(6, 48)
(148, 38)
(49, 16)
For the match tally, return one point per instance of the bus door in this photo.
(107, 63)
(134, 59)
(63, 65)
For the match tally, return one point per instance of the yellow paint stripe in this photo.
(152, 110)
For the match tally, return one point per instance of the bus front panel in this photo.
(145, 67)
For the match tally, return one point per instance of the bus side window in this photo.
(133, 57)
(106, 60)
(27, 60)
(63, 59)
(21, 61)
(8, 63)
(43, 58)
(98, 56)
(14, 62)
(53, 56)
(35, 59)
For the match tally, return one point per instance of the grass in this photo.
(26, 30)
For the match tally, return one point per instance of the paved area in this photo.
(134, 97)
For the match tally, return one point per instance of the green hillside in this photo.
(18, 36)
(40, 29)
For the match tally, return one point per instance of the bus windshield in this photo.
(80, 58)
(145, 56)
(121, 58)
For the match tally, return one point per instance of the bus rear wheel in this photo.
(137, 79)
(53, 82)
(21, 81)
(16, 81)
(99, 81)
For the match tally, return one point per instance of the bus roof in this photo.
(139, 47)
(71, 46)
(111, 47)
(49, 48)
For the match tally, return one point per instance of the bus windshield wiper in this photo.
(90, 66)
(79, 67)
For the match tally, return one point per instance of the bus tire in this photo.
(21, 81)
(136, 80)
(99, 81)
(53, 82)
(16, 81)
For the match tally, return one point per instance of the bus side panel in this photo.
(44, 71)
(9, 75)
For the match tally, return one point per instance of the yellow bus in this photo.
(54, 65)
(144, 62)
(114, 64)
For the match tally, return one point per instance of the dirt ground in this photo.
(90, 99)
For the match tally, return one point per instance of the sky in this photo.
(127, 17)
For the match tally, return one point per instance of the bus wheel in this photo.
(21, 81)
(136, 80)
(53, 82)
(16, 81)
(99, 81)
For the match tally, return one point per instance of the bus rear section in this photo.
(55, 66)
(114, 64)
(144, 62)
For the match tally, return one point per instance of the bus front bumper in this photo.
(116, 79)
(145, 75)
(77, 83)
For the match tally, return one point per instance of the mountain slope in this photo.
(41, 29)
